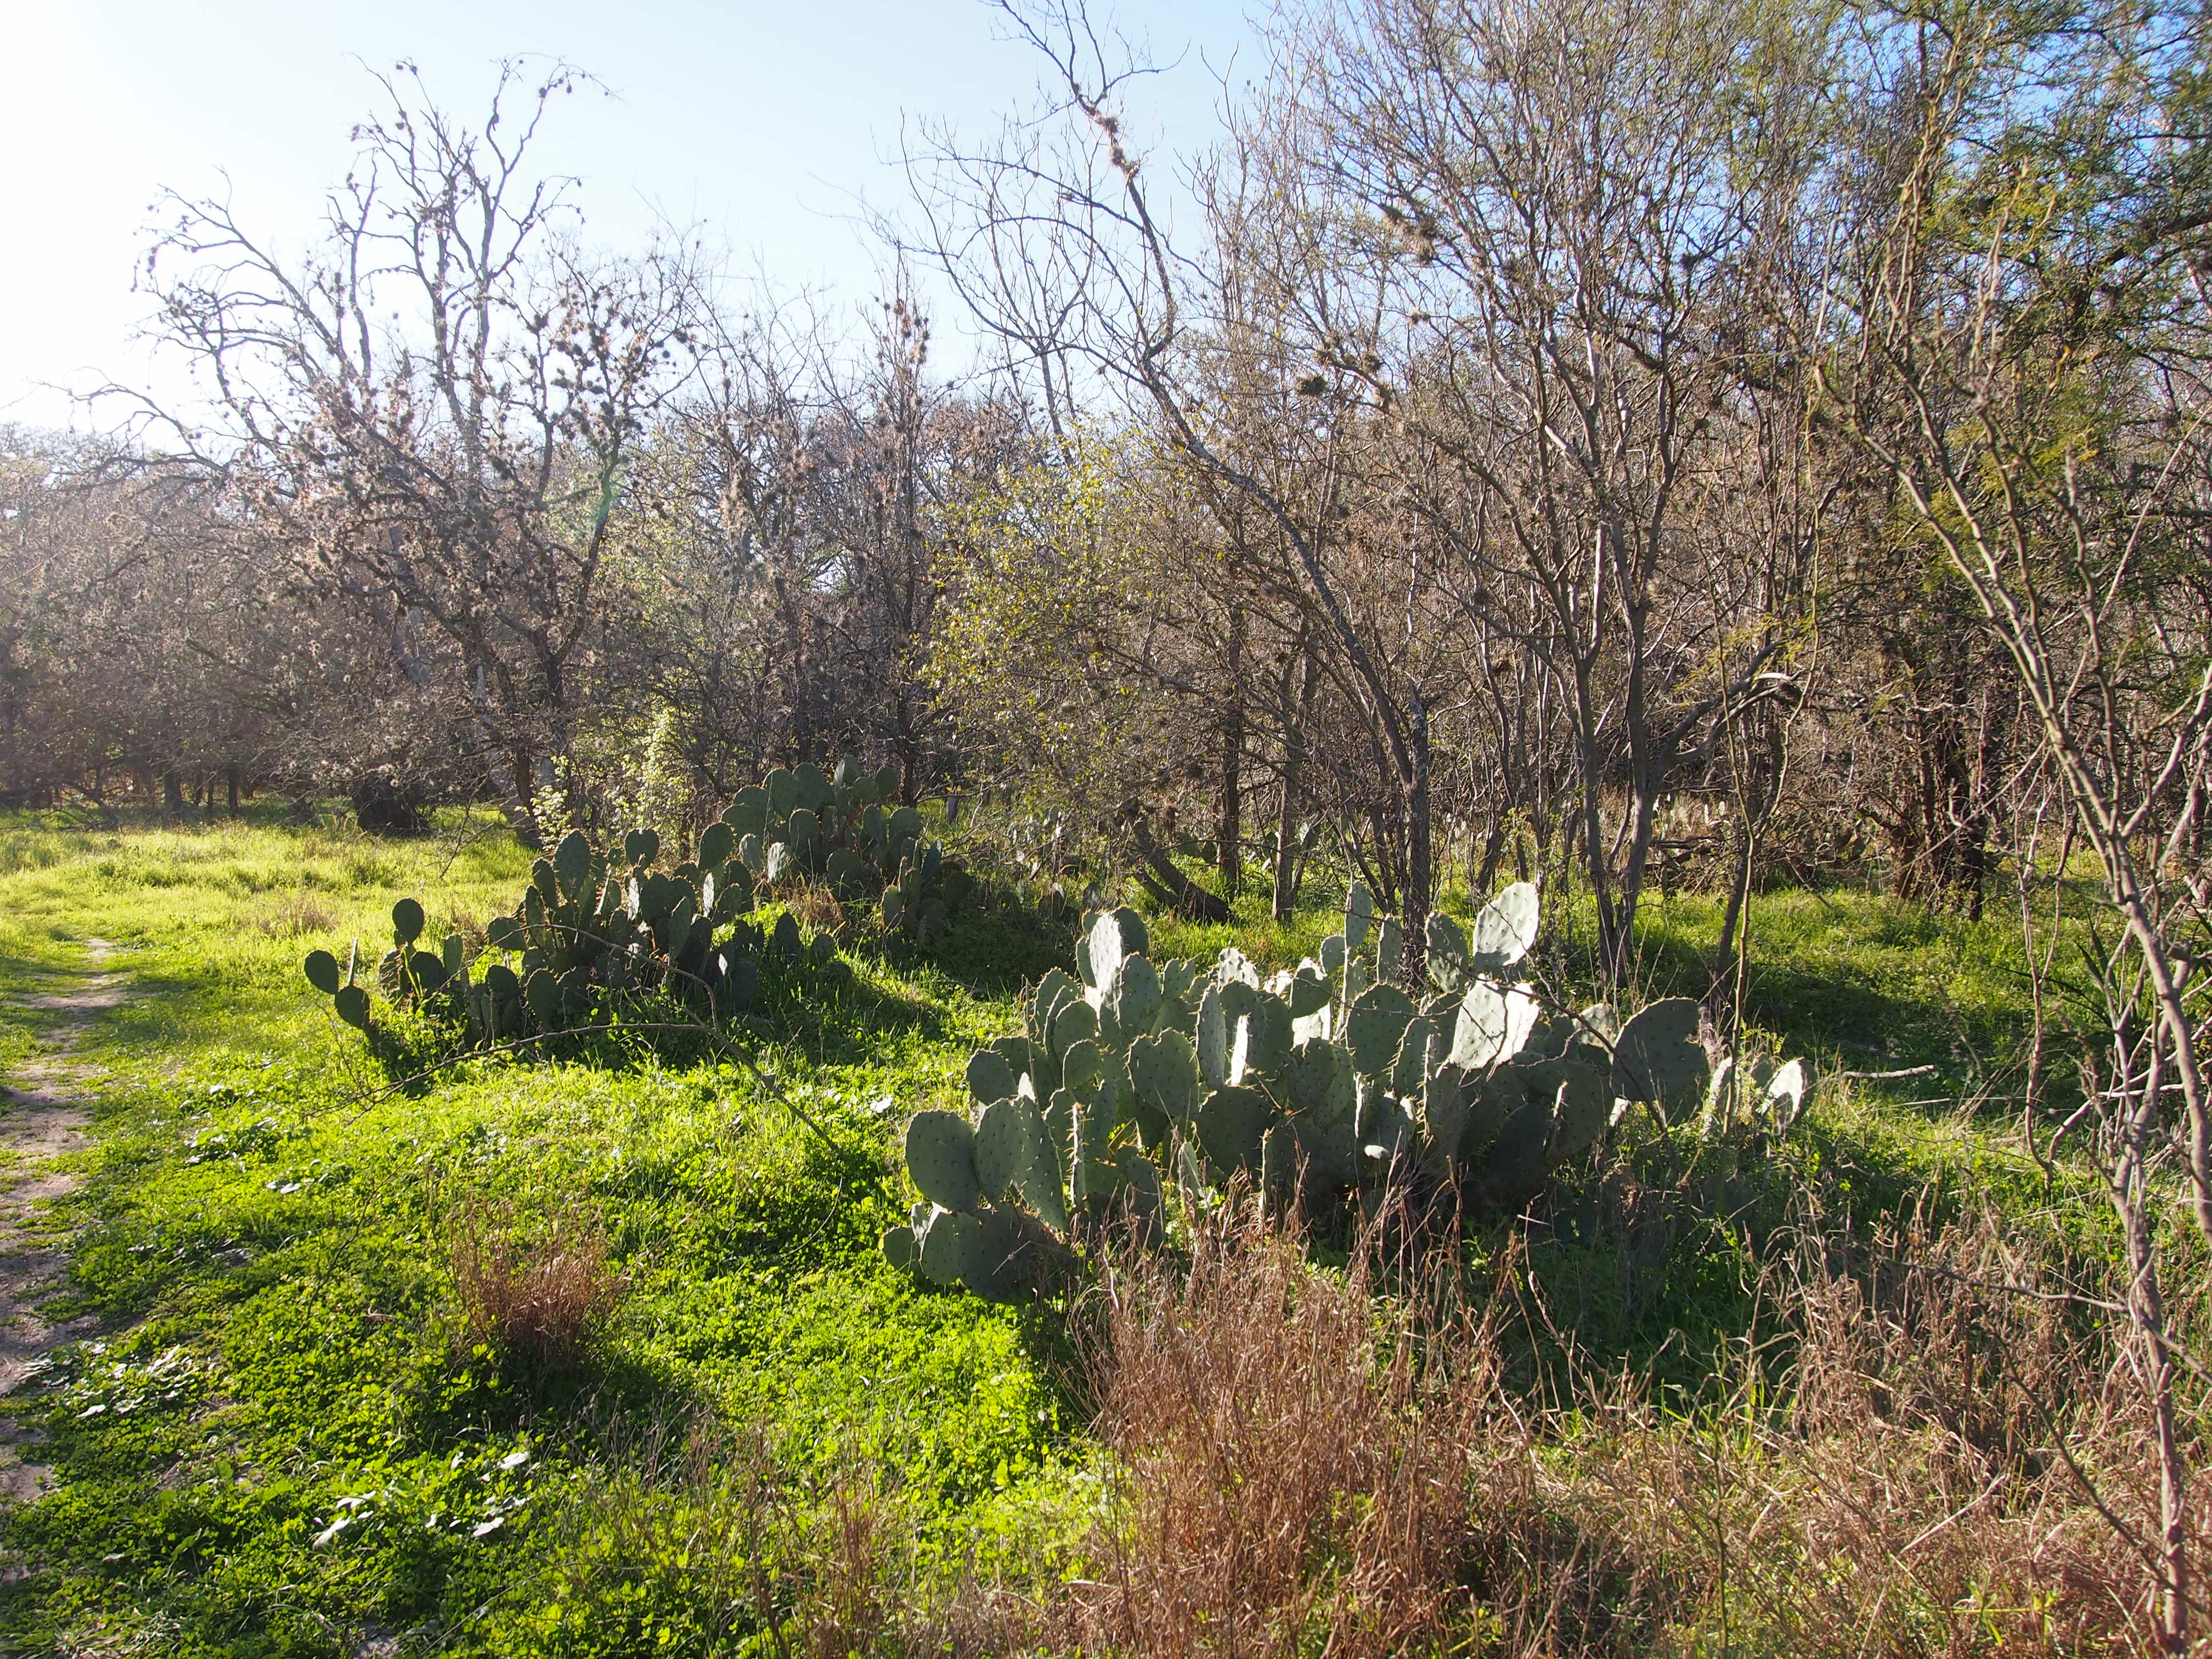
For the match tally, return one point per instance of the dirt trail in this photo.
(41, 1119)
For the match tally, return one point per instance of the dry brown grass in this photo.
(1911, 1462)
(297, 915)
(538, 1296)
(1290, 1468)
(815, 907)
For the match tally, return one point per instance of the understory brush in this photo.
(1925, 1450)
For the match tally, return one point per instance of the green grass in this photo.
(281, 1442)
(261, 1240)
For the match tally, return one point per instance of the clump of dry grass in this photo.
(470, 927)
(296, 916)
(1290, 1460)
(1910, 1460)
(539, 1297)
(815, 907)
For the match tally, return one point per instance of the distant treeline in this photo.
(1546, 453)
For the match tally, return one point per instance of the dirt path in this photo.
(39, 1119)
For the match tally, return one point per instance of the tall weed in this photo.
(1927, 1448)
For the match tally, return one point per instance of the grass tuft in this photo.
(540, 1298)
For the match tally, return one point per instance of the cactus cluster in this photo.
(843, 828)
(589, 927)
(1322, 1078)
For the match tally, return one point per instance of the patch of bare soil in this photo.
(40, 1120)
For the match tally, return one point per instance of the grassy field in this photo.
(286, 1436)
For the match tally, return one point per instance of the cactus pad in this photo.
(940, 1155)
(1229, 1122)
(1279, 1164)
(1785, 1095)
(1316, 1082)
(1164, 1071)
(1658, 1057)
(990, 1077)
(1583, 1109)
(1262, 1044)
(1001, 1144)
(1494, 1023)
(1309, 990)
(899, 1248)
(1213, 1039)
(1134, 1003)
(1505, 931)
(1330, 1150)
(1448, 967)
(1376, 1028)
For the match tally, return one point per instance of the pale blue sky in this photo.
(762, 120)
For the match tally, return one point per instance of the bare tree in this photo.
(1052, 240)
(1587, 232)
(434, 409)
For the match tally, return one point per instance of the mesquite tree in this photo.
(435, 406)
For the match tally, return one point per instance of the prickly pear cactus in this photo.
(844, 829)
(593, 930)
(1136, 1076)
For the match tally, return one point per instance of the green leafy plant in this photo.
(1137, 1077)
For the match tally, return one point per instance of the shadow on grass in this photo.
(836, 1014)
(1659, 1259)
(25, 986)
(991, 953)
(1853, 976)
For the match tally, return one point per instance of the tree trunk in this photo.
(1165, 882)
(1284, 897)
(522, 808)
(1485, 869)
(2133, 1200)
(1289, 862)
(1421, 870)
(1229, 834)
